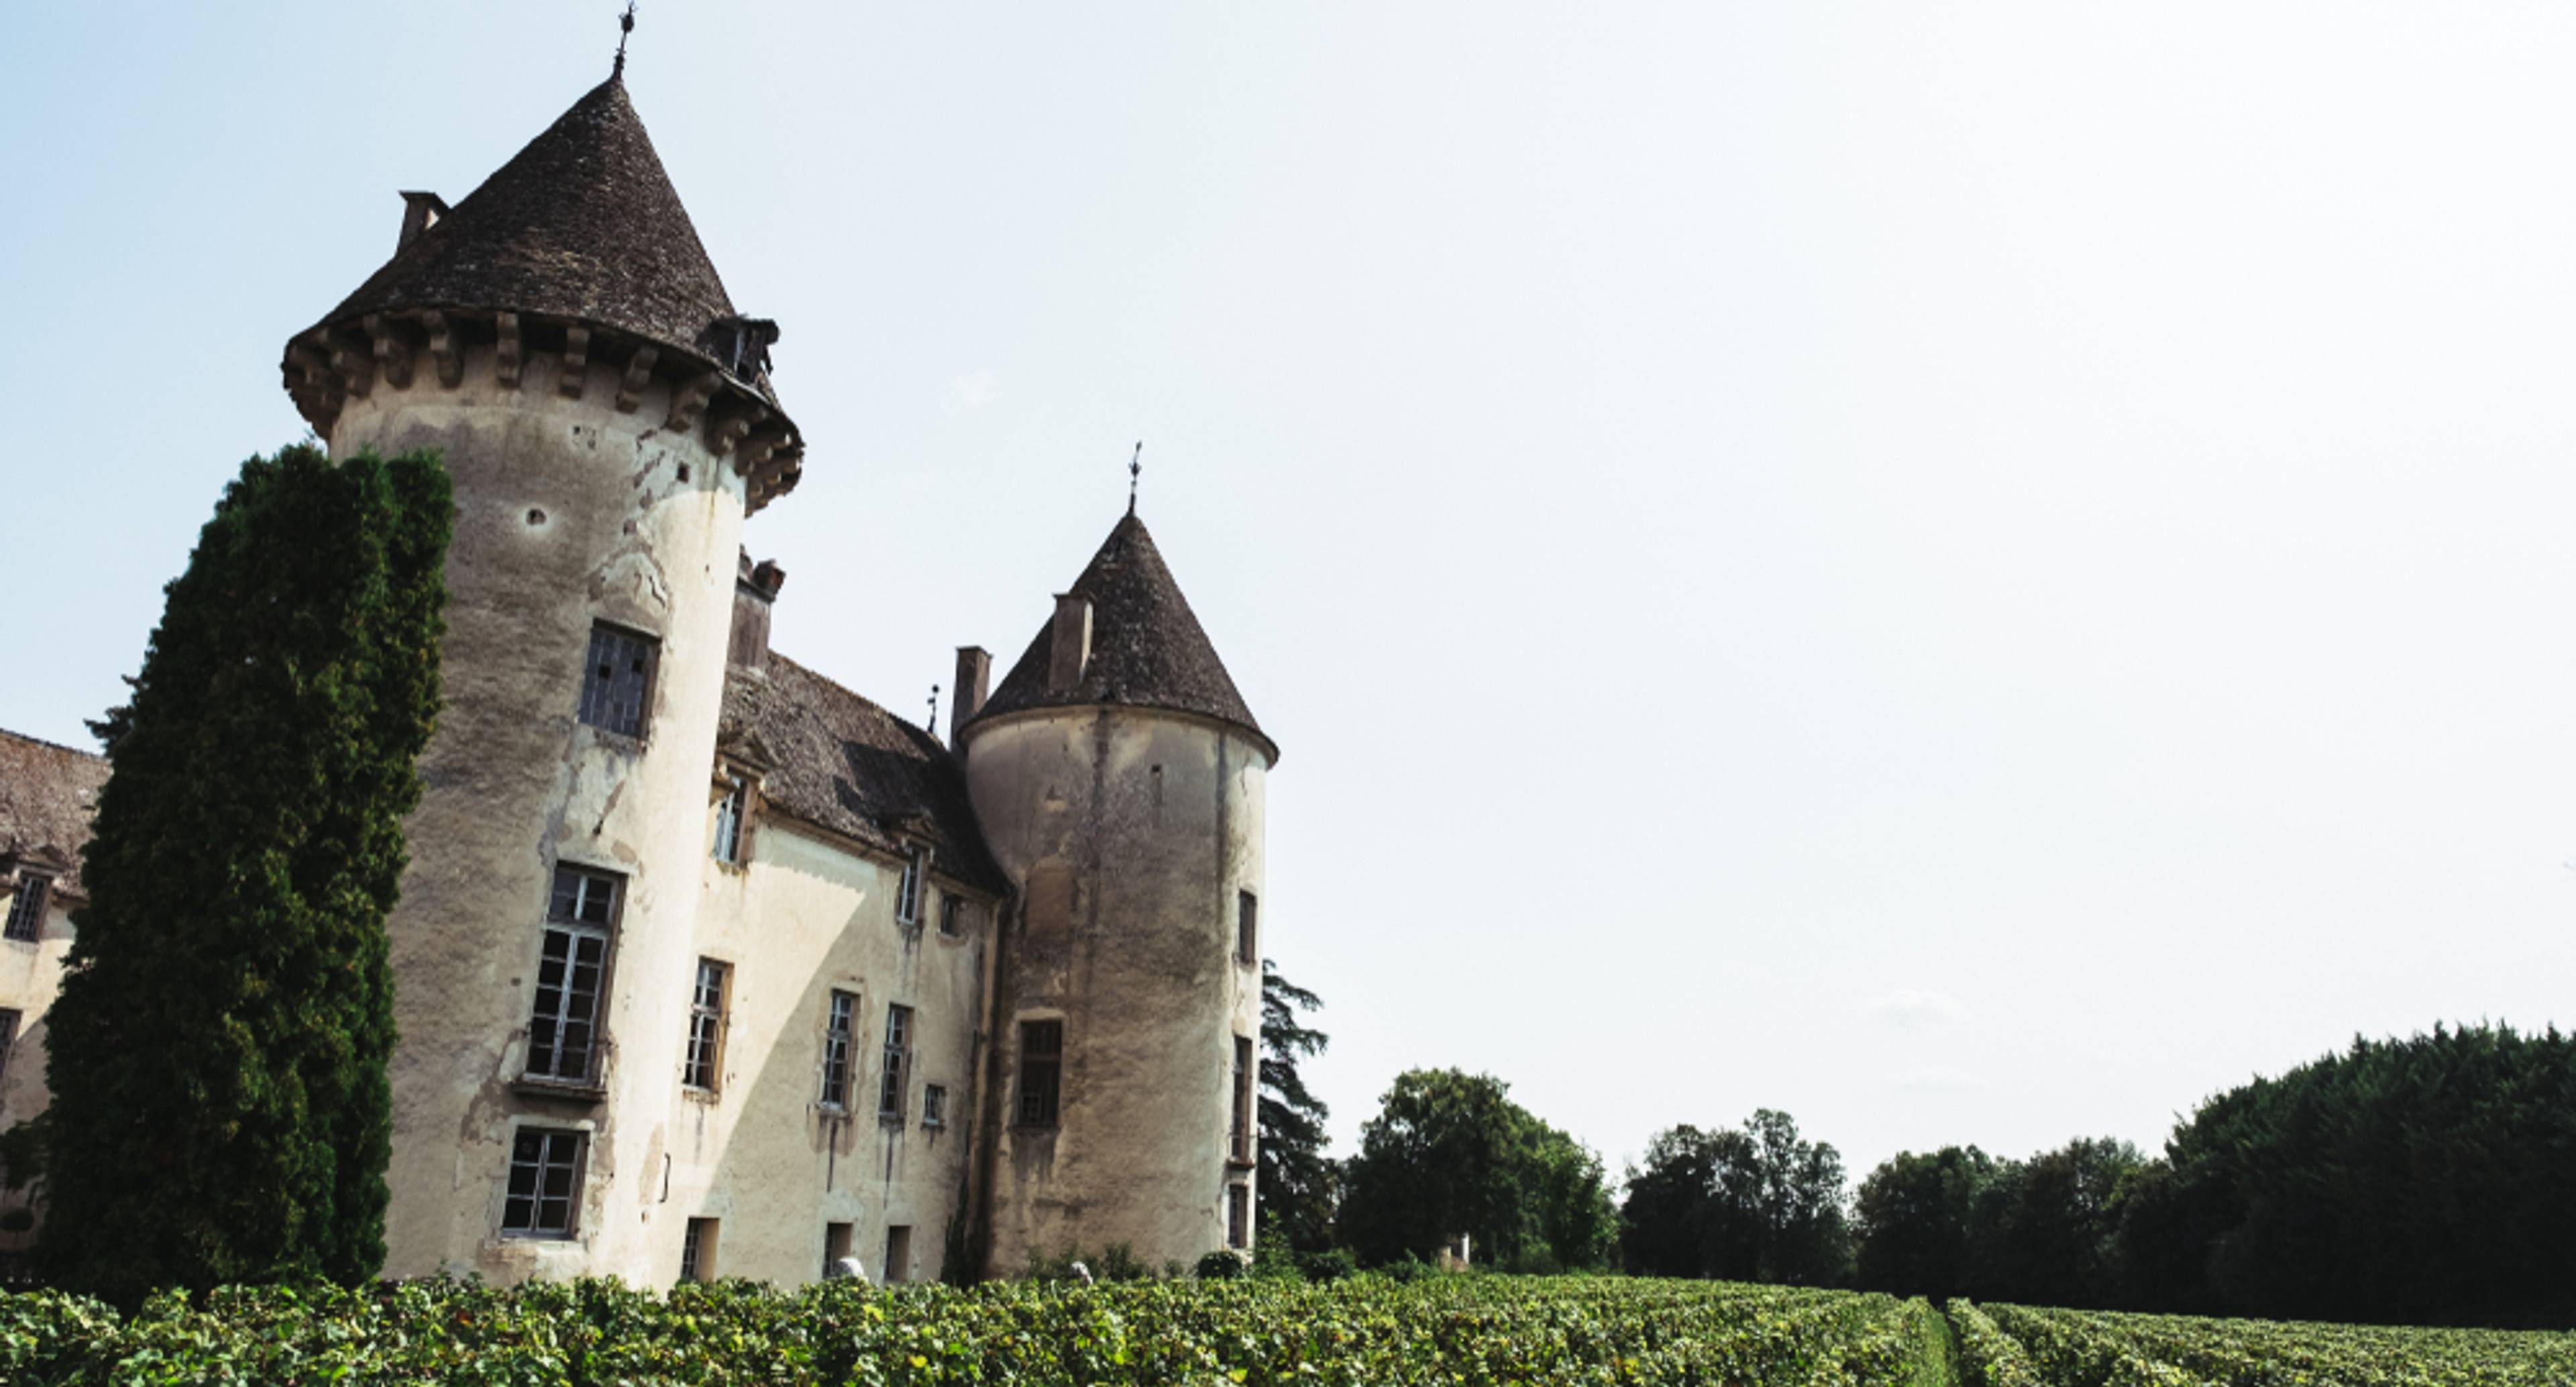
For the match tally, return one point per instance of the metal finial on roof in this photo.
(933, 719)
(1135, 471)
(625, 26)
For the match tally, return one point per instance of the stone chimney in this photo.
(1068, 643)
(755, 588)
(966, 697)
(421, 211)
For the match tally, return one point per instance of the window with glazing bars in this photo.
(698, 1250)
(616, 681)
(907, 894)
(545, 1183)
(1247, 934)
(1041, 1070)
(8, 1033)
(1238, 1216)
(898, 1037)
(27, 907)
(1242, 1134)
(934, 1105)
(838, 1049)
(706, 1027)
(572, 964)
(729, 822)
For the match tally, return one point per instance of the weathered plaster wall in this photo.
(31, 975)
(806, 914)
(1130, 833)
(568, 512)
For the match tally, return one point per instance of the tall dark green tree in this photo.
(1914, 1214)
(1450, 1153)
(1758, 1203)
(1296, 1180)
(2044, 1231)
(217, 1055)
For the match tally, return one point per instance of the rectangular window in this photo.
(934, 1105)
(898, 1263)
(839, 1049)
(1041, 1069)
(27, 907)
(616, 680)
(952, 916)
(1238, 1216)
(1242, 1136)
(698, 1251)
(1247, 940)
(907, 893)
(8, 1033)
(728, 848)
(706, 1027)
(898, 1037)
(545, 1182)
(836, 1245)
(572, 965)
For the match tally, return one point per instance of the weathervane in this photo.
(1135, 471)
(625, 26)
(933, 720)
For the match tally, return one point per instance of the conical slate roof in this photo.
(1147, 649)
(582, 225)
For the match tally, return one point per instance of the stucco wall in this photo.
(804, 915)
(31, 974)
(568, 512)
(1130, 834)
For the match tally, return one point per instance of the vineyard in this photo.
(1450, 1330)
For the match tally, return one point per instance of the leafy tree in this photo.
(217, 1055)
(1914, 1214)
(1451, 1153)
(1296, 1180)
(1753, 1204)
(2043, 1231)
(2425, 1179)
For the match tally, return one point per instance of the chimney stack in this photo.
(755, 588)
(1068, 642)
(966, 696)
(421, 211)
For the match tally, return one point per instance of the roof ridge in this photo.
(54, 746)
(838, 687)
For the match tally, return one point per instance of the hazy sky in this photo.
(1970, 572)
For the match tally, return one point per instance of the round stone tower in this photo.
(1118, 778)
(561, 337)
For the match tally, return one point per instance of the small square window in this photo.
(27, 907)
(934, 1105)
(545, 1183)
(1041, 1072)
(617, 679)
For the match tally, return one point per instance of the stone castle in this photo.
(706, 965)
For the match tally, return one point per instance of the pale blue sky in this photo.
(1974, 573)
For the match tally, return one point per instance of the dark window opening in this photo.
(27, 907)
(898, 1262)
(1041, 1071)
(898, 1036)
(836, 1245)
(698, 1250)
(1241, 1137)
(545, 1180)
(1247, 943)
(572, 966)
(952, 915)
(1238, 1216)
(934, 1105)
(616, 681)
(837, 1050)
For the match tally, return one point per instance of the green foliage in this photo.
(2012, 1346)
(1450, 1153)
(1116, 1262)
(1295, 1183)
(1755, 1204)
(1454, 1331)
(217, 1053)
(2424, 1180)
(2046, 1229)
(1220, 1265)
(1913, 1215)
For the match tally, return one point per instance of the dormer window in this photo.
(742, 345)
(27, 907)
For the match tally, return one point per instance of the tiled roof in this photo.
(582, 224)
(1147, 649)
(47, 794)
(842, 763)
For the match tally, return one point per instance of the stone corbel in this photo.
(351, 364)
(727, 429)
(690, 400)
(393, 352)
(444, 348)
(576, 362)
(639, 373)
(754, 452)
(506, 358)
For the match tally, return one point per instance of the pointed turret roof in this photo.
(1147, 648)
(581, 225)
